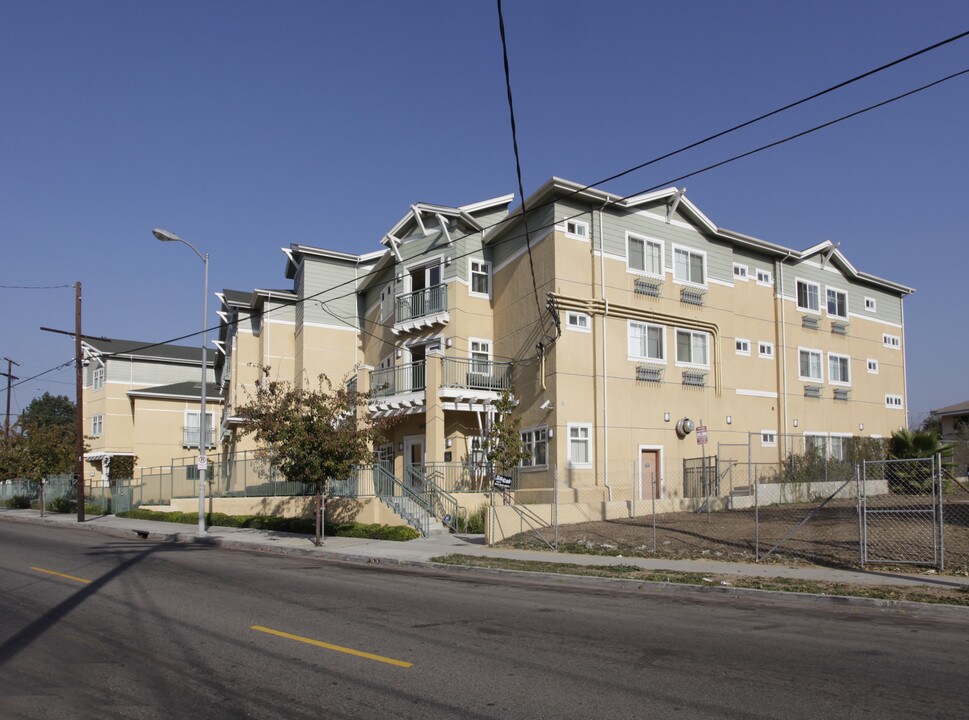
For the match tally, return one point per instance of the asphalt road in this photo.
(136, 629)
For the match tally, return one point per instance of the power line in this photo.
(33, 287)
(518, 166)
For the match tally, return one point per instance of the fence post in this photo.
(937, 471)
(636, 485)
(861, 532)
(42, 496)
(555, 506)
(756, 517)
(652, 497)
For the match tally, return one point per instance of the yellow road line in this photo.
(328, 646)
(69, 577)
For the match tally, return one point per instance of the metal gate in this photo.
(900, 512)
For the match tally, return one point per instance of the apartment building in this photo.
(143, 401)
(611, 320)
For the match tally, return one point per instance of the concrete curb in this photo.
(645, 586)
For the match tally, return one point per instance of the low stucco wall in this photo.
(366, 510)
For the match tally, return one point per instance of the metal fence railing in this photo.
(421, 303)
(475, 374)
(408, 377)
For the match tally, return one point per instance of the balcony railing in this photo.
(399, 379)
(190, 437)
(422, 303)
(476, 374)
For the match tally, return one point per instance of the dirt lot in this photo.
(899, 530)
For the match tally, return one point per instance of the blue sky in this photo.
(246, 126)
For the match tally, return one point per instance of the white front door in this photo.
(413, 457)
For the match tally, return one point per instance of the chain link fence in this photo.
(820, 505)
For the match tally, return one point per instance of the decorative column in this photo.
(433, 409)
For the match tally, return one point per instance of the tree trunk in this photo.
(319, 516)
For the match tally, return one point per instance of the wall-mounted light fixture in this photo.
(861, 426)
(447, 442)
(448, 342)
(551, 432)
(400, 276)
(400, 447)
(795, 422)
(729, 419)
(666, 417)
(447, 260)
(400, 352)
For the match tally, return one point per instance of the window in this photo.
(893, 401)
(481, 278)
(577, 321)
(98, 378)
(764, 277)
(839, 369)
(815, 445)
(743, 346)
(739, 272)
(97, 425)
(387, 300)
(807, 295)
(836, 447)
(644, 255)
(870, 304)
(577, 229)
(646, 342)
(872, 366)
(765, 349)
(691, 347)
(891, 341)
(768, 438)
(809, 366)
(190, 437)
(536, 444)
(480, 356)
(580, 437)
(688, 266)
(837, 303)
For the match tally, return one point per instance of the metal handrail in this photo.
(409, 377)
(476, 374)
(527, 516)
(421, 303)
(459, 476)
(387, 487)
(443, 505)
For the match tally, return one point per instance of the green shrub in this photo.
(19, 502)
(62, 505)
(476, 520)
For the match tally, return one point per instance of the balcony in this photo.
(190, 437)
(421, 309)
(399, 390)
(468, 374)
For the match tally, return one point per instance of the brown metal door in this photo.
(649, 474)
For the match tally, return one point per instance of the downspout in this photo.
(901, 308)
(605, 361)
(782, 446)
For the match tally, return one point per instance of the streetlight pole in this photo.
(165, 236)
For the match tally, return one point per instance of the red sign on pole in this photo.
(701, 435)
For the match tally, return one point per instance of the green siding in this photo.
(334, 283)
(888, 305)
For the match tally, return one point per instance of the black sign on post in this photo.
(502, 482)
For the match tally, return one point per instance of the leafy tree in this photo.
(48, 410)
(505, 449)
(312, 435)
(931, 423)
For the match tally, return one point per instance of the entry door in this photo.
(649, 474)
(413, 458)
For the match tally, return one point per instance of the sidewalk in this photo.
(420, 552)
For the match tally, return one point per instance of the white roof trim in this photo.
(486, 204)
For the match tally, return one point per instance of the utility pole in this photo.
(79, 399)
(10, 377)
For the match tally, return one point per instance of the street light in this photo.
(166, 236)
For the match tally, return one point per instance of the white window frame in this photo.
(768, 438)
(692, 333)
(765, 350)
(98, 377)
(839, 357)
(742, 346)
(872, 364)
(827, 308)
(830, 445)
(895, 402)
(741, 272)
(891, 341)
(582, 322)
(871, 304)
(488, 348)
(765, 277)
(203, 434)
(808, 378)
(646, 240)
(576, 225)
(485, 270)
(690, 251)
(587, 440)
(97, 425)
(531, 440)
(797, 295)
(636, 357)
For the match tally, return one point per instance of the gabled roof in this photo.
(235, 298)
(559, 186)
(419, 211)
(179, 391)
(957, 409)
(294, 251)
(145, 350)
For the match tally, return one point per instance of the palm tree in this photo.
(906, 444)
